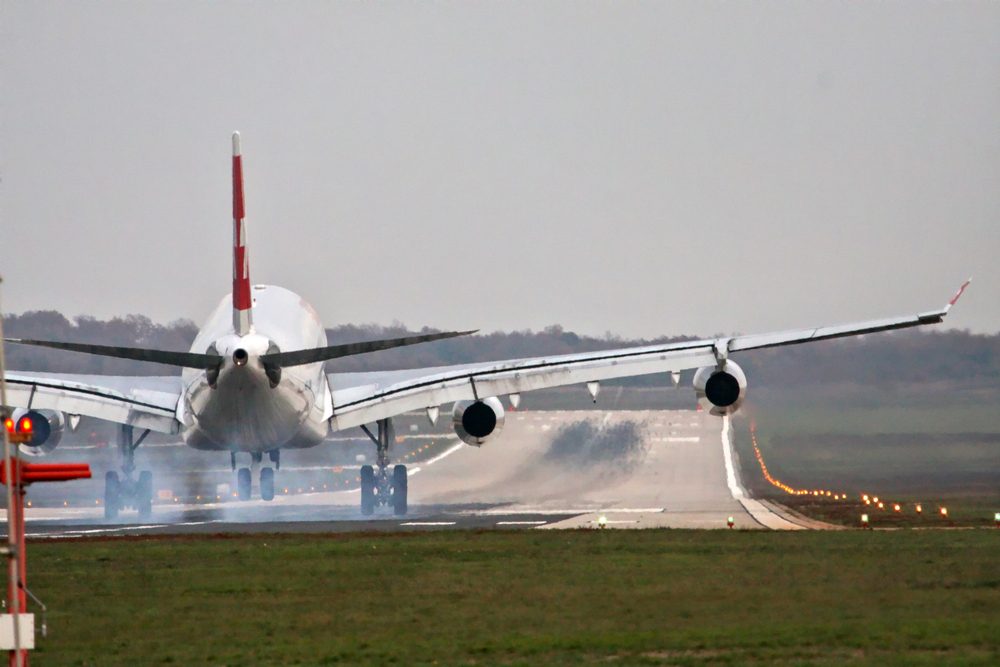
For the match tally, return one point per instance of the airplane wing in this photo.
(360, 398)
(144, 402)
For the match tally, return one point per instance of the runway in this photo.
(547, 470)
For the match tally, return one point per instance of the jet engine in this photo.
(45, 426)
(477, 421)
(721, 392)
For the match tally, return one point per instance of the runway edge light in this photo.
(864, 521)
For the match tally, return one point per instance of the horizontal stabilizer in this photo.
(317, 354)
(276, 360)
(186, 359)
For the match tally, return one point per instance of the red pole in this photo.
(22, 597)
(16, 598)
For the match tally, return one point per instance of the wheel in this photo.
(112, 494)
(399, 490)
(144, 494)
(267, 483)
(367, 490)
(243, 483)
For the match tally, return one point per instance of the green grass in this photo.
(932, 448)
(524, 598)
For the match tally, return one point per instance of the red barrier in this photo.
(26, 473)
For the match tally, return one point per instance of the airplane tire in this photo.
(267, 483)
(112, 494)
(399, 490)
(144, 494)
(367, 490)
(243, 483)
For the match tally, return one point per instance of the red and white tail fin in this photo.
(242, 300)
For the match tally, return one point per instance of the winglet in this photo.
(242, 301)
(958, 295)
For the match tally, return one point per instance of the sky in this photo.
(637, 168)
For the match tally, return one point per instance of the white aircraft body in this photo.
(254, 382)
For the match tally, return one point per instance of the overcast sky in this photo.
(640, 168)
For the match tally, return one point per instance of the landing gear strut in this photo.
(123, 492)
(244, 476)
(378, 487)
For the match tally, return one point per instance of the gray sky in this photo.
(643, 168)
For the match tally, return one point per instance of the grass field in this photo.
(524, 598)
(932, 447)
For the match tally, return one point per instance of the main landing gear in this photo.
(244, 476)
(122, 492)
(378, 487)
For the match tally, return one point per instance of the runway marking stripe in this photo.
(754, 508)
(521, 523)
(445, 453)
(579, 510)
(428, 523)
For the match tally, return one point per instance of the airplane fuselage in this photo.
(243, 407)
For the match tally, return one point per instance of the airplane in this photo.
(253, 384)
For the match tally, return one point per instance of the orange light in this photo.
(920, 508)
(896, 507)
(881, 506)
(944, 511)
(9, 424)
(25, 425)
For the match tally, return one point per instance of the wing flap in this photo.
(139, 401)
(355, 405)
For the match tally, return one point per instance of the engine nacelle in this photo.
(721, 392)
(46, 428)
(477, 421)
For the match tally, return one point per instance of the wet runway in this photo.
(549, 470)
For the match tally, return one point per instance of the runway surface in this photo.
(548, 470)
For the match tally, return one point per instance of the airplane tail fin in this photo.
(242, 300)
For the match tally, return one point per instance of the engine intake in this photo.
(721, 392)
(477, 421)
(46, 428)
